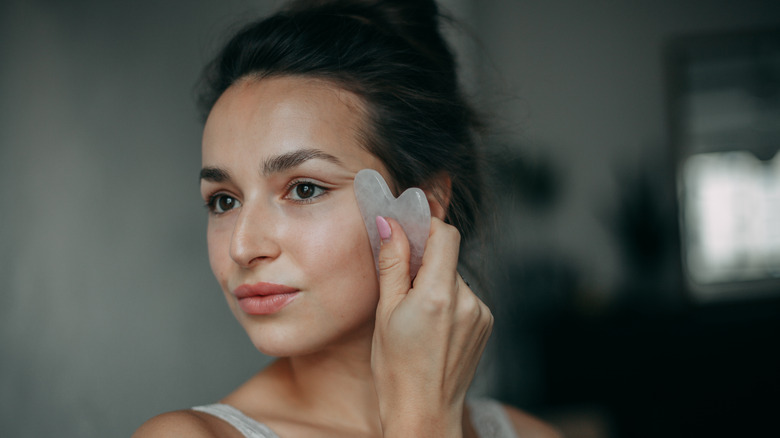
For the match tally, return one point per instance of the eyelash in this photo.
(211, 202)
(298, 182)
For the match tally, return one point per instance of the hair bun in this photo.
(409, 15)
(400, 14)
(415, 21)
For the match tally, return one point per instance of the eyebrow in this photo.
(214, 174)
(287, 161)
(272, 165)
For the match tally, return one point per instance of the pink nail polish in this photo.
(383, 227)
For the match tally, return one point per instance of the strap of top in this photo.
(487, 416)
(247, 426)
(490, 419)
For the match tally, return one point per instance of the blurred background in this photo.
(636, 272)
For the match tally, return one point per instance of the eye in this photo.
(305, 191)
(222, 203)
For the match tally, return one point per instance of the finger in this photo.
(463, 285)
(393, 259)
(440, 256)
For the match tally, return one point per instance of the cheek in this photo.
(218, 240)
(337, 246)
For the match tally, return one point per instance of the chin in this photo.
(293, 341)
(278, 342)
(281, 349)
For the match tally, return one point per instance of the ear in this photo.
(438, 191)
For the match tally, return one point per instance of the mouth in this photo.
(264, 298)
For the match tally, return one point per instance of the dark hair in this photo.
(392, 55)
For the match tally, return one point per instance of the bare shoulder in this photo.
(529, 426)
(185, 423)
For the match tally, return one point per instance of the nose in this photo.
(254, 236)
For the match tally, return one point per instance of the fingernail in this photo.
(383, 227)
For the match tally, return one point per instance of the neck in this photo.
(332, 386)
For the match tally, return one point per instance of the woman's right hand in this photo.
(428, 338)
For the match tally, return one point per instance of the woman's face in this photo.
(286, 239)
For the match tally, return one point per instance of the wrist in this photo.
(407, 423)
(422, 429)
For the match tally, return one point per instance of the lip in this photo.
(264, 298)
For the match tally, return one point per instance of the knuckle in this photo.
(469, 306)
(452, 233)
(388, 263)
(484, 315)
(447, 230)
(490, 319)
(436, 303)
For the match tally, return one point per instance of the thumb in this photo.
(393, 261)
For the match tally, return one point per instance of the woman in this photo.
(297, 104)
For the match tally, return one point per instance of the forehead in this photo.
(280, 113)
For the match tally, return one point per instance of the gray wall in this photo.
(108, 311)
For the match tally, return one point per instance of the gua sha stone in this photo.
(411, 210)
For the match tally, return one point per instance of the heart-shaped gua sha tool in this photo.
(410, 210)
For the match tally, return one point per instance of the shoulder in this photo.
(526, 425)
(184, 423)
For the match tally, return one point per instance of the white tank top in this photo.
(487, 416)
